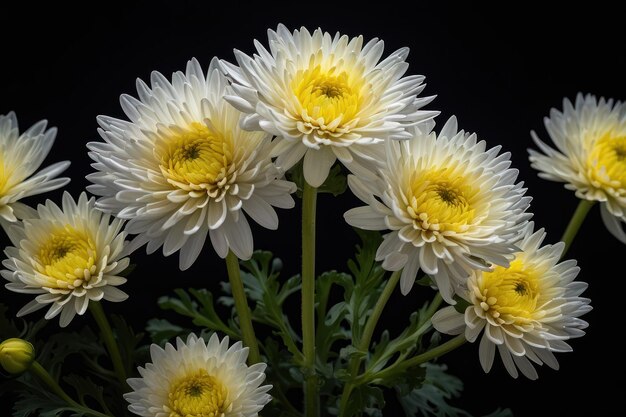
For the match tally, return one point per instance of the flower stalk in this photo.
(45, 377)
(243, 310)
(109, 341)
(309, 201)
(368, 332)
(436, 352)
(575, 222)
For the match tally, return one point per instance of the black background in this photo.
(499, 71)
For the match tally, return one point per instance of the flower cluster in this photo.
(202, 152)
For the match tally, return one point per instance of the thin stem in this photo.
(45, 377)
(309, 201)
(411, 339)
(436, 352)
(575, 222)
(243, 311)
(364, 343)
(370, 326)
(109, 341)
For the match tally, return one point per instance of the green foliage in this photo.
(197, 304)
(64, 354)
(344, 303)
(161, 330)
(432, 397)
(36, 402)
(368, 400)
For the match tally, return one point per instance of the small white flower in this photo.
(590, 158)
(68, 256)
(182, 168)
(326, 98)
(20, 157)
(527, 310)
(199, 379)
(451, 206)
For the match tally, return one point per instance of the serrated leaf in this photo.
(432, 397)
(85, 388)
(162, 330)
(127, 340)
(260, 276)
(202, 314)
(31, 406)
(366, 400)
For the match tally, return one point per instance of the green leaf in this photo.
(199, 308)
(128, 342)
(329, 325)
(24, 330)
(432, 396)
(34, 399)
(43, 406)
(368, 282)
(367, 400)
(162, 330)
(260, 277)
(85, 388)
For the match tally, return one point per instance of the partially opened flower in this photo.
(201, 379)
(326, 98)
(20, 157)
(452, 207)
(590, 137)
(527, 310)
(182, 168)
(68, 256)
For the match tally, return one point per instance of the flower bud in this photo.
(16, 355)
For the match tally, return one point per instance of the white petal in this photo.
(365, 218)
(486, 353)
(449, 321)
(317, 164)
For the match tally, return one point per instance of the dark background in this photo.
(499, 71)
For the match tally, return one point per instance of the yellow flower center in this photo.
(68, 257)
(196, 158)
(197, 395)
(510, 294)
(328, 99)
(441, 201)
(607, 161)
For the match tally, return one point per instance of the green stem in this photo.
(109, 341)
(45, 377)
(427, 324)
(309, 201)
(243, 311)
(575, 222)
(366, 338)
(436, 352)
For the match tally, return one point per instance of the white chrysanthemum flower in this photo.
(20, 156)
(326, 98)
(527, 310)
(69, 256)
(200, 380)
(590, 158)
(451, 206)
(182, 168)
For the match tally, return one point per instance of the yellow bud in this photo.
(16, 355)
